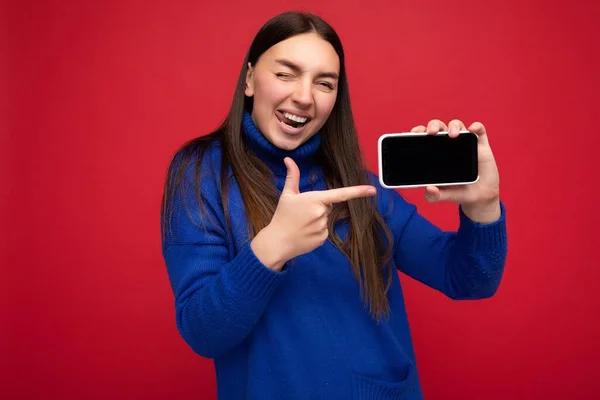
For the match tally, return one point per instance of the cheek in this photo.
(325, 104)
(270, 92)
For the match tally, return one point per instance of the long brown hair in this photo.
(369, 242)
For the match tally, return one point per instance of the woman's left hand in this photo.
(479, 201)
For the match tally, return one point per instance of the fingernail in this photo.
(453, 129)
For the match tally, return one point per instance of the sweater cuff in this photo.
(492, 235)
(248, 274)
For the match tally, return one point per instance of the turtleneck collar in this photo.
(304, 155)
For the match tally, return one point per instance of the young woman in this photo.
(282, 249)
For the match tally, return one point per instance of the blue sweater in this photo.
(304, 333)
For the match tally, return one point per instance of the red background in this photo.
(97, 96)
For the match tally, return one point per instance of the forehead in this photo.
(309, 51)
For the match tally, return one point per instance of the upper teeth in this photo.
(295, 117)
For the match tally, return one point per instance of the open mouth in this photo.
(291, 120)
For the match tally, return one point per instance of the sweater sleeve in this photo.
(218, 300)
(465, 264)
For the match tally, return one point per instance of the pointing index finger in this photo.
(339, 195)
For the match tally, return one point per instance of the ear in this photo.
(249, 91)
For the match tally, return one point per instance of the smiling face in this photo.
(294, 85)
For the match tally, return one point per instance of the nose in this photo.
(303, 96)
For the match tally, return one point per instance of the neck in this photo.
(305, 155)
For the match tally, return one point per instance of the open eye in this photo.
(326, 85)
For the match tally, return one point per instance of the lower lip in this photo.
(288, 130)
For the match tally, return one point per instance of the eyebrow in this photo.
(296, 68)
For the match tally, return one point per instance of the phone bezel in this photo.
(407, 134)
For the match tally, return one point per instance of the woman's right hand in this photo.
(299, 224)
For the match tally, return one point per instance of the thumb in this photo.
(292, 179)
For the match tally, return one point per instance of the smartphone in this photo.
(417, 159)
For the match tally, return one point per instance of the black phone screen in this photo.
(430, 159)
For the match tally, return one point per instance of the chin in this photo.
(285, 142)
(288, 145)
